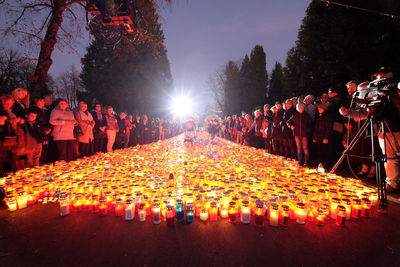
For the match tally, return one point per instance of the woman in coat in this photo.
(63, 120)
(86, 122)
(111, 128)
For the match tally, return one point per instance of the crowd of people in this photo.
(40, 130)
(315, 132)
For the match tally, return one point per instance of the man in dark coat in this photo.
(301, 125)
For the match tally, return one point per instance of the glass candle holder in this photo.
(341, 215)
(284, 215)
(274, 215)
(103, 207)
(232, 212)
(64, 205)
(245, 212)
(320, 217)
(334, 203)
(156, 213)
(204, 214)
(119, 208)
(170, 215)
(179, 210)
(356, 208)
(189, 213)
(129, 210)
(259, 214)
(213, 211)
(142, 212)
(22, 200)
(301, 213)
(366, 207)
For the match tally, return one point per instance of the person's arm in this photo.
(55, 120)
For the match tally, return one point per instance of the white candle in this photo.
(273, 218)
(142, 215)
(301, 217)
(204, 216)
(224, 214)
(129, 212)
(65, 210)
(245, 216)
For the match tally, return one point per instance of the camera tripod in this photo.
(377, 158)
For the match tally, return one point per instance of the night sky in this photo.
(202, 35)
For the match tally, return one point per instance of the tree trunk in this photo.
(38, 82)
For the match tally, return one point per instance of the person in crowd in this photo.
(324, 98)
(21, 97)
(335, 102)
(301, 125)
(288, 142)
(138, 130)
(99, 130)
(146, 130)
(86, 122)
(132, 131)
(258, 121)
(234, 123)
(124, 133)
(45, 126)
(267, 128)
(34, 138)
(49, 105)
(63, 120)
(111, 128)
(309, 106)
(7, 133)
(322, 137)
(249, 131)
(277, 119)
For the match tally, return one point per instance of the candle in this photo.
(301, 214)
(129, 210)
(284, 215)
(334, 203)
(64, 205)
(259, 214)
(320, 219)
(366, 206)
(142, 213)
(224, 213)
(189, 213)
(156, 213)
(119, 209)
(232, 212)
(347, 205)
(204, 215)
(103, 209)
(170, 215)
(356, 208)
(341, 215)
(180, 213)
(213, 211)
(22, 200)
(274, 215)
(245, 212)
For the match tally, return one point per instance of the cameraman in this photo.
(390, 112)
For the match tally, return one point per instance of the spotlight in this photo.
(181, 106)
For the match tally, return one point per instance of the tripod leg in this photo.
(352, 144)
(381, 184)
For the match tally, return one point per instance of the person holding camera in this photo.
(388, 110)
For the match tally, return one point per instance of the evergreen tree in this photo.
(257, 79)
(232, 89)
(336, 44)
(129, 76)
(244, 83)
(276, 88)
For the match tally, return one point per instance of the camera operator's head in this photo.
(351, 87)
(381, 73)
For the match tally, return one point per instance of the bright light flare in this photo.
(182, 106)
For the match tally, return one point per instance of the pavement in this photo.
(39, 236)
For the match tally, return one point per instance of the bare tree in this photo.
(68, 84)
(215, 84)
(14, 70)
(45, 23)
